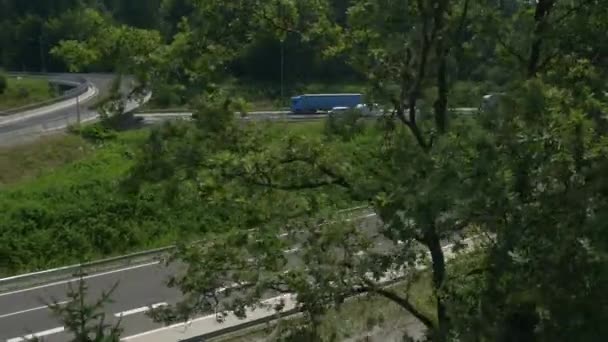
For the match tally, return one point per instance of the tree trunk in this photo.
(441, 104)
(433, 243)
(543, 9)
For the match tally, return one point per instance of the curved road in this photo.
(26, 126)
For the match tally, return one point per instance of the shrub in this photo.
(23, 92)
(95, 133)
(345, 124)
(54, 89)
(3, 83)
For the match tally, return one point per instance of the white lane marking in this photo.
(139, 310)
(91, 92)
(76, 279)
(38, 334)
(274, 300)
(121, 270)
(289, 300)
(30, 310)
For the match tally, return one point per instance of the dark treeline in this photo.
(30, 29)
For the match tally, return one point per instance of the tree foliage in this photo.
(524, 177)
(84, 319)
(433, 180)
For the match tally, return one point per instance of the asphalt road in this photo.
(100, 81)
(17, 128)
(23, 312)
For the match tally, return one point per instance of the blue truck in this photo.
(311, 103)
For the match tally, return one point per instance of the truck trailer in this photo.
(311, 103)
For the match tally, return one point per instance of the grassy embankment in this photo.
(24, 91)
(60, 203)
(25, 162)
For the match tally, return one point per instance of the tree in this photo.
(329, 278)
(139, 13)
(531, 36)
(541, 197)
(3, 82)
(430, 175)
(25, 39)
(85, 320)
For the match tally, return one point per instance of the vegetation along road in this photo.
(254, 211)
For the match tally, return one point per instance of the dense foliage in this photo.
(520, 180)
(30, 29)
(508, 173)
(3, 82)
(84, 211)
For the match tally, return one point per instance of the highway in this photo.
(23, 311)
(27, 125)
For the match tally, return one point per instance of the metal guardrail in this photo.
(80, 84)
(67, 272)
(57, 124)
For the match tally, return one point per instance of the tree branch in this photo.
(541, 15)
(571, 11)
(463, 18)
(401, 301)
(274, 24)
(509, 49)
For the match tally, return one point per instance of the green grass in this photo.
(25, 162)
(86, 161)
(24, 91)
(66, 208)
(50, 155)
(61, 203)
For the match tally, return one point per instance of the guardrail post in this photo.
(78, 110)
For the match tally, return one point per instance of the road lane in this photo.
(22, 312)
(207, 325)
(28, 126)
(138, 287)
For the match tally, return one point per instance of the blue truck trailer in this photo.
(311, 103)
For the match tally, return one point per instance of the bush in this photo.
(3, 83)
(167, 96)
(467, 94)
(345, 125)
(95, 133)
(23, 92)
(54, 89)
